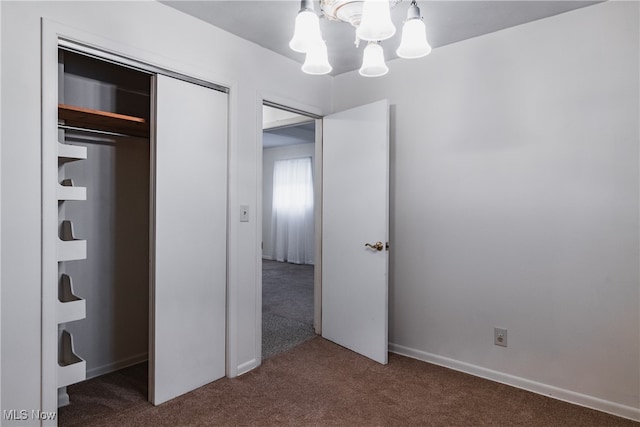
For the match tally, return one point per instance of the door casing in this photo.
(289, 105)
(318, 188)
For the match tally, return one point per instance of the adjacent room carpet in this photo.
(318, 383)
(287, 306)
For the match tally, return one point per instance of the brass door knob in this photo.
(378, 246)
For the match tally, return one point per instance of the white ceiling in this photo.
(286, 128)
(270, 23)
(289, 135)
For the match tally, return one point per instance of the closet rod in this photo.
(89, 130)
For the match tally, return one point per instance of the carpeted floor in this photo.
(287, 306)
(319, 383)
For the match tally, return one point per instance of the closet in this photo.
(104, 114)
(137, 246)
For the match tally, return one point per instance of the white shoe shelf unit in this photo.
(71, 368)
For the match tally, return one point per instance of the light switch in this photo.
(244, 213)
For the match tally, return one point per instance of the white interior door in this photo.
(188, 301)
(355, 212)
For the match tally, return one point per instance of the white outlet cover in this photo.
(500, 336)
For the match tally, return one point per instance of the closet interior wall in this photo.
(114, 218)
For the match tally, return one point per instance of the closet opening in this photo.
(104, 113)
(288, 229)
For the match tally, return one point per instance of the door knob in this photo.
(377, 246)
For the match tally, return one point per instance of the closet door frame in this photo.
(55, 35)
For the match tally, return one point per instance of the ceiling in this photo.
(281, 127)
(270, 23)
(304, 133)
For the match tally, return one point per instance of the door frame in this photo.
(313, 113)
(54, 35)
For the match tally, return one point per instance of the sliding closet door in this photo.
(188, 298)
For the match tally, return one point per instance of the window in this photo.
(292, 227)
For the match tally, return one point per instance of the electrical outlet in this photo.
(500, 337)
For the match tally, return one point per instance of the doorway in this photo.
(288, 229)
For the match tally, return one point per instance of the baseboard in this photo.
(247, 366)
(120, 364)
(268, 258)
(569, 396)
(63, 397)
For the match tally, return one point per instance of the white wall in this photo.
(269, 157)
(175, 41)
(515, 204)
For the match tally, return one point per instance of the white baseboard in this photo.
(569, 396)
(247, 366)
(268, 258)
(63, 397)
(119, 364)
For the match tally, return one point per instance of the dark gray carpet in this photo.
(319, 384)
(287, 306)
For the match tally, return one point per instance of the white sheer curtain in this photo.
(292, 218)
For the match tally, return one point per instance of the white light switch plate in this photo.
(244, 213)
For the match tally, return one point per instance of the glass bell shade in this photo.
(375, 24)
(414, 42)
(307, 31)
(316, 61)
(373, 61)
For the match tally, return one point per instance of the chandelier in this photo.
(372, 21)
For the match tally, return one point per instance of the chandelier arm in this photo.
(414, 11)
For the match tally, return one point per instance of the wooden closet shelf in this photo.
(103, 120)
